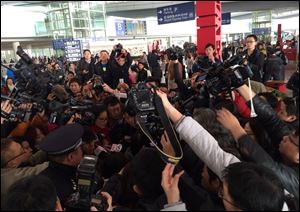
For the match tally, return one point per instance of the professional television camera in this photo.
(228, 76)
(19, 113)
(189, 48)
(152, 119)
(61, 113)
(88, 180)
(175, 53)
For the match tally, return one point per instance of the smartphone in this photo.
(121, 80)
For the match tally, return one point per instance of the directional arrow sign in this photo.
(176, 13)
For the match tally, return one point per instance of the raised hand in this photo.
(170, 183)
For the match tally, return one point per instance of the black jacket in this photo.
(289, 176)
(142, 75)
(90, 67)
(63, 177)
(256, 63)
(104, 71)
(276, 129)
(119, 72)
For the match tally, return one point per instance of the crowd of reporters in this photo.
(232, 161)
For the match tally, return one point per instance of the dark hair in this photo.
(111, 101)
(252, 36)
(152, 79)
(75, 80)
(31, 193)
(104, 51)
(86, 50)
(99, 110)
(254, 187)
(291, 107)
(88, 135)
(271, 99)
(207, 118)
(5, 144)
(147, 167)
(71, 72)
(129, 109)
(112, 164)
(210, 45)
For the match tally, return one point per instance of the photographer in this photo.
(227, 168)
(119, 63)
(255, 59)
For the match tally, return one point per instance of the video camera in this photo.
(189, 48)
(88, 179)
(228, 76)
(97, 83)
(152, 119)
(59, 115)
(175, 53)
(18, 113)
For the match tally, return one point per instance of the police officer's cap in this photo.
(63, 140)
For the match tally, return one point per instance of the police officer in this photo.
(63, 147)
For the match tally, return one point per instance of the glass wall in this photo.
(76, 19)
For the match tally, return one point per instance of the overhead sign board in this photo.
(120, 27)
(176, 13)
(226, 18)
(73, 50)
(261, 31)
(60, 43)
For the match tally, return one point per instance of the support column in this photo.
(14, 46)
(209, 19)
(279, 38)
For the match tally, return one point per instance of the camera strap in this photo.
(170, 132)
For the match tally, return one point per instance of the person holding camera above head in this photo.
(284, 140)
(86, 66)
(255, 59)
(119, 63)
(102, 68)
(246, 186)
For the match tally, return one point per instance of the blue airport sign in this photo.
(226, 18)
(176, 13)
(120, 27)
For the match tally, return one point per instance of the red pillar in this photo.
(279, 38)
(209, 20)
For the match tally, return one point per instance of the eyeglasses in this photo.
(250, 41)
(221, 195)
(19, 155)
